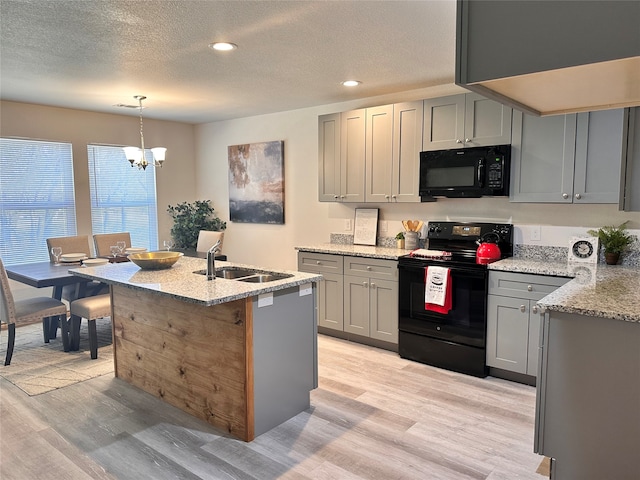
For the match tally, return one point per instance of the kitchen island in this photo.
(241, 356)
(588, 394)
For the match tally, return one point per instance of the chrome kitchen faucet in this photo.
(211, 262)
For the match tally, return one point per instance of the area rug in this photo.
(38, 367)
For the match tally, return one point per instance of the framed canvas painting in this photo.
(256, 182)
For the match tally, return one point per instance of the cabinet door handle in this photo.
(365, 284)
(387, 197)
(458, 140)
(578, 196)
(522, 308)
(467, 140)
(565, 195)
(535, 309)
(373, 285)
(318, 262)
(335, 196)
(393, 196)
(530, 288)
(368, 268)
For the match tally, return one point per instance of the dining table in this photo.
(48, 274)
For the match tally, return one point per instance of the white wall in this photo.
(175, 181)
(308, 221)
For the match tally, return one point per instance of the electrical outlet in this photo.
(383, 226)
(347, 225)
(534, 233)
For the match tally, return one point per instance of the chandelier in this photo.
(136, 155)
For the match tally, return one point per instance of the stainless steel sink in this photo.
(229, 272)
(246, 274)
(264, 277)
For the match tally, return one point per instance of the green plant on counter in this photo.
(190, 218)
(613, 239)
(400, 236)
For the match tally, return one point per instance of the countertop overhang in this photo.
(608, 291)
(181, 283)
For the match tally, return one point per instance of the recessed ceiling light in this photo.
(223, 46)
(351, 83)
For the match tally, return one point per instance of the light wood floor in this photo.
(374, 416)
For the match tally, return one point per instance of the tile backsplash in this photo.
(536, 242)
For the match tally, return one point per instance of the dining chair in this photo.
(104, 241)
(90, 308)
(76, 244)
(28, 310)
(206, 240)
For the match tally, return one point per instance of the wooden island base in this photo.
(240, 368)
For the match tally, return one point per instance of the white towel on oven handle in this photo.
(436, 285)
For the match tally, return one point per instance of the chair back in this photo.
(207, 239)
(76, 244)
(7, 306)
(104, 241)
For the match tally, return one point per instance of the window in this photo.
(123, 198)
(36, 198)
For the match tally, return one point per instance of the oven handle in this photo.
(470, 271)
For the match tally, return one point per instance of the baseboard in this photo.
(373, 342)
(512, 376)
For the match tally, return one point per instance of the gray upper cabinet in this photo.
(393, 144)
(550, 57)
(341, 160)
(352, 156)
(329, 157)
(574, 158)
(631, 198)
(379, 153)
(466, 120)
(370, 155)
(407, 144)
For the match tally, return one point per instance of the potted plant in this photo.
(400, 240)
(190, 218)
(614, 240)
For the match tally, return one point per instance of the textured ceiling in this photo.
(94, 54)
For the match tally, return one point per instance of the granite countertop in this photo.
(181, 283)
(356, 250)
(608, 291)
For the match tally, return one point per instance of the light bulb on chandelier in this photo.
(135, 155)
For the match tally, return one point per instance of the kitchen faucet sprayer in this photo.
(211, 263)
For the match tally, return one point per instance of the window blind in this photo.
(36, 197)
(123, 198)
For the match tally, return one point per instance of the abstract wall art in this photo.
(256, 182)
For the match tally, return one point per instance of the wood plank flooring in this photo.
(374, 416)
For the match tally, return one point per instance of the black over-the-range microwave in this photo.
(465, 172)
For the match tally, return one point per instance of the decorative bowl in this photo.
(155, 260)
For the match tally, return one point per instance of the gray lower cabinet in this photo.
(575, 158)
(587, 398)
(357, 298)
(371, 298)
(513, 320)
(330, 289)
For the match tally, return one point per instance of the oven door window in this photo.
(466, 321)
